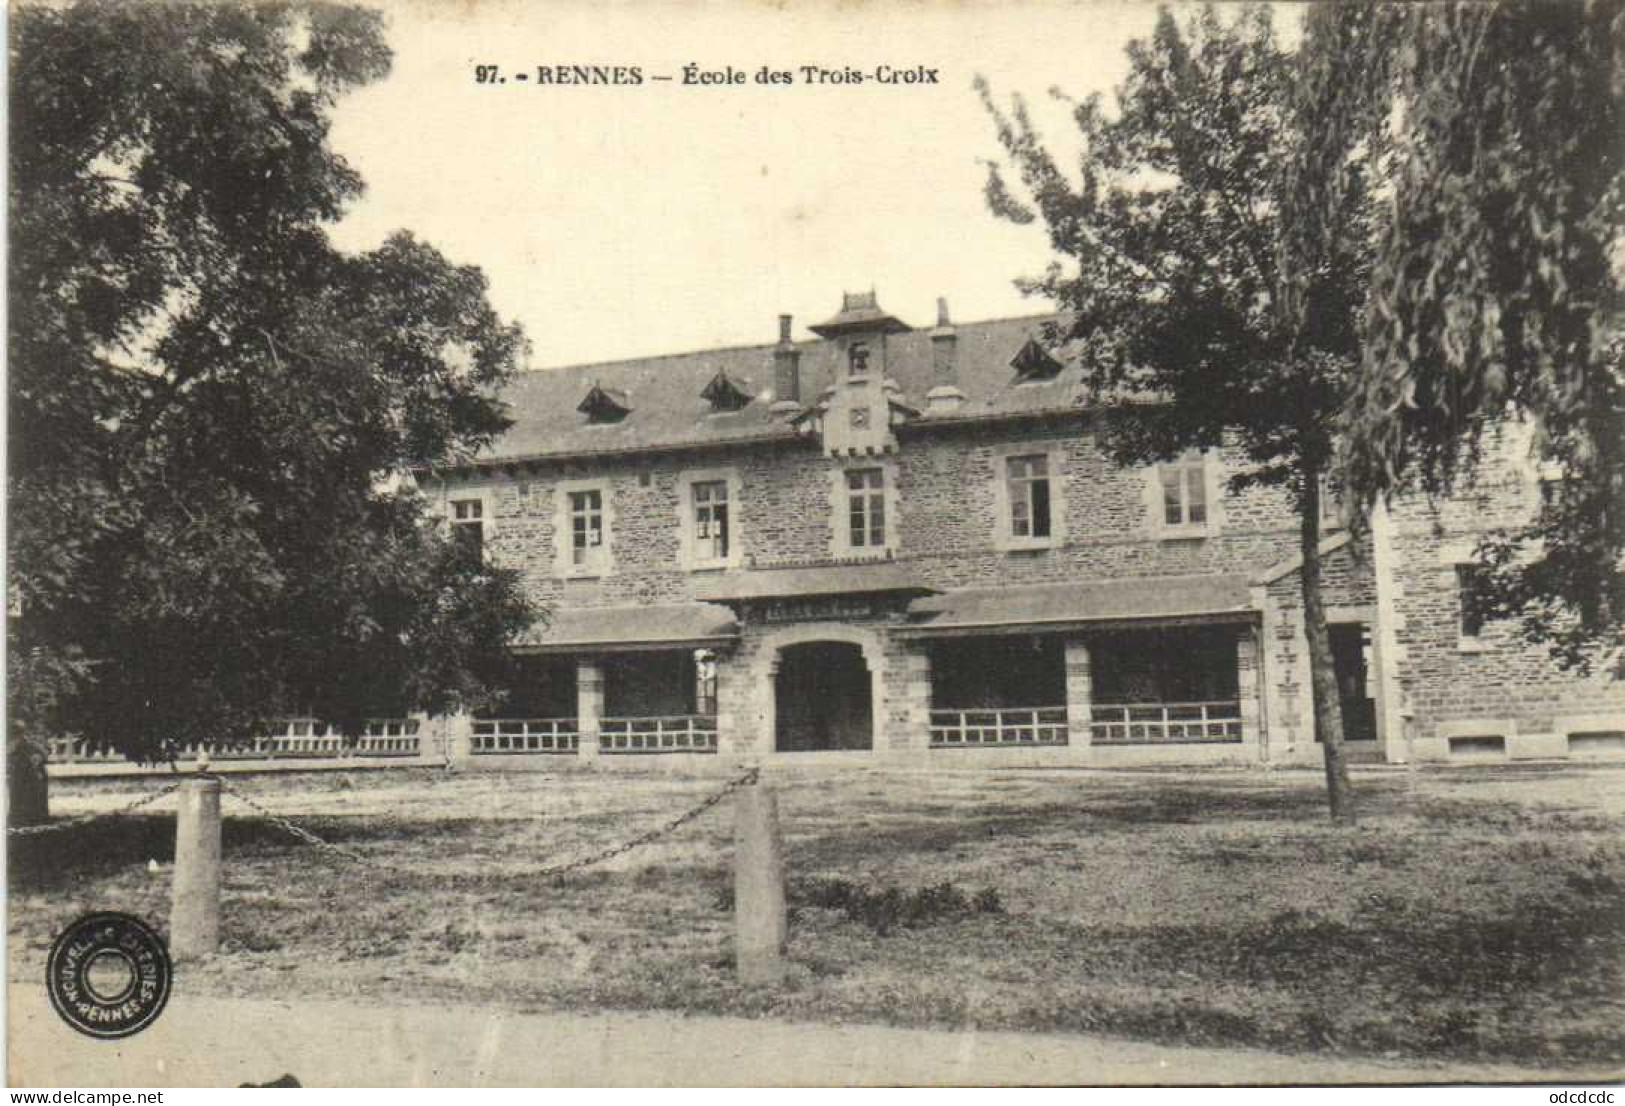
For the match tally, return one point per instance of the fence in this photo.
(960, 729)
(1215, 722)
(681, 733)
(298, 739)
(759, 895)
(525, 735)
(309, 740)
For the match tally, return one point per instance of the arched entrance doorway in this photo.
(823, 696)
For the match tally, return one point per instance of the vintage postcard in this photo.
(853, 544)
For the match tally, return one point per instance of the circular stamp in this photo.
(108, 975)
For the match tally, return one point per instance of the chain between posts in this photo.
(556, 870)
(81, 819)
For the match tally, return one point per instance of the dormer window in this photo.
(857, 359)
(724, 393)
(1033, 362)
(604, 405)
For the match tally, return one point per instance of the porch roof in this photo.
(794, 583)
(610, 629)
(1057, 606)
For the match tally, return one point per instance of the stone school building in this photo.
(894, 543)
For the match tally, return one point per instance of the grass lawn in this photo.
(1474, 913)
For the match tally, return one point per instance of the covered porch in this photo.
(1119, 671)
(615, 681)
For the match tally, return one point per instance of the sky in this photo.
(623, 221)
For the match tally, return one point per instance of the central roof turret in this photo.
(860, 312)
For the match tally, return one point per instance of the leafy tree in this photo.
(1495, 288)
(1205, 317)
(207, 397)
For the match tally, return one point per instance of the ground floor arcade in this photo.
(878, 675)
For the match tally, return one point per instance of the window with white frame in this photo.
(1184, 493)
(1027, 480)
(468, 527)
(586, 510)
(711, 520)
(866, 508)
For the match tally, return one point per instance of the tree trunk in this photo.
(1322, 673)
(27, 793)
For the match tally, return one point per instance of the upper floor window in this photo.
(1028, 482)
(583, 528)
(708, 519)
(586, 527)
(866, 508)
(468, 527)
(711, 533)
(1184, 492)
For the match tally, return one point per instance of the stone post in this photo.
(1080, 694)
(759, 917)
(589, 705)
(194, 917)
(1248, 690)
(917, 699)
(459, 738)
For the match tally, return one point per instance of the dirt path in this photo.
(214, 1042)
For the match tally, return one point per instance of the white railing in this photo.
(389, 737)
(69, 750)
(1165, 723)
(525, 735)
(1011, 726)
(298, 738)
(680, 733)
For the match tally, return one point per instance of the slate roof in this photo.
(668, 410)
(1061, 605)
(643, 627)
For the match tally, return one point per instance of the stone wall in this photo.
(945, 504)
(944, 520)
(1458, 694)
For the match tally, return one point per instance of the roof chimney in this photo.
(786, 371)
(944, 398)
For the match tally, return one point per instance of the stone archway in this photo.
(819, 670)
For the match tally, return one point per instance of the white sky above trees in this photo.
(624, 221)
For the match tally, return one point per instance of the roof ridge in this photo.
(765, 346)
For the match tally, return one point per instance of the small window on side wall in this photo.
(1331, 505)
(468, 528)
(1473, 601)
